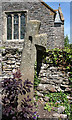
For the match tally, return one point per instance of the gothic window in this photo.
(16, 25)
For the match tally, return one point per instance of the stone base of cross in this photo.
(32, 39)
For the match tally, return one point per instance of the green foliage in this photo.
(71, 46)
(36, 79)
(48, 107)
(59, 57)
(2, 47)
(66, 41)
(56, 100)
(70, 118)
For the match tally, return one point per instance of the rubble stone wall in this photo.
(11, 59)
(53, 79)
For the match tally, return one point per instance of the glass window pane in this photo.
(16, 27)
(9, 27)
(23, 26)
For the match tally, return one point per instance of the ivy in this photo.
(58, 57)
(36, 79)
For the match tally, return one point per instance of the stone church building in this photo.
(15, 16)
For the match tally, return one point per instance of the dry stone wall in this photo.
(11, 60)
(53, 79)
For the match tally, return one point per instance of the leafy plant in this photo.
(66, 41)
(12, 87)
(56, 100)
(36, 79)
(48, 107)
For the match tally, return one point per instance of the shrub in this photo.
(56, 100)
(12, 87)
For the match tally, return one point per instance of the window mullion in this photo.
(19, 24)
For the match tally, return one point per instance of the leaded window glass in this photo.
(23, 26)
(16, 27)
(9, 27)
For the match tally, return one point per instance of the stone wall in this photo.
(11, 59)
(59, 36)
(53, 79)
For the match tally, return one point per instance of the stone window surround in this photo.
(5, 24)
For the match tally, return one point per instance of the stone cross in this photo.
(32, 39)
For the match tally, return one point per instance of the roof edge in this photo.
(61, 14)
(48, 6)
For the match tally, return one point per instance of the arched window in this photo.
(16, 27)
(9, 27)
(23, 24)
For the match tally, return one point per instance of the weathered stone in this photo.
(9, 61)
(46, 99)
(63, 116)
(42, 68)
(13, 66)
(61, 109)
(59, 89)
(42, 71)
(54, 76)
(56, 115)
(50, 88)
(12, 59)
(41, 87)
(33, 42)
(39, 94)
(50, 76)
(13, 62)
(14, 70)
(17, 63)
(65, 86)
(44, 80)
(53, 68)
(68, 89)
(5, 76)
(3, 51)
(70, 98)
(8, 69)
(65, 83)
(47, 87)
(44, 74)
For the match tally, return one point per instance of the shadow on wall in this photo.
(40, 53)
